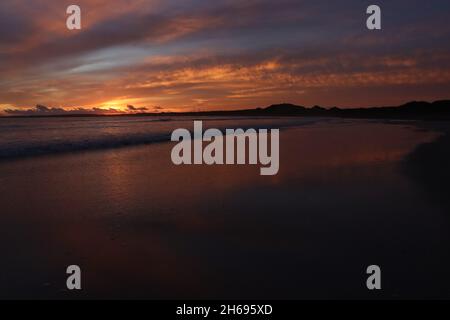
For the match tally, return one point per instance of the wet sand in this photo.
(141, 227)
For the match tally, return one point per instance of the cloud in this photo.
(133, 108)
(41, 110)
(14, 27)
(219, 54)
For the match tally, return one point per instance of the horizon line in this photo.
(41, 111)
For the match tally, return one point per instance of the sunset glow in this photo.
(198, 55)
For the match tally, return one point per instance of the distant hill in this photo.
(438, 110)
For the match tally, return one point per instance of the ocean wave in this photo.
(48, 138)
(22, 150)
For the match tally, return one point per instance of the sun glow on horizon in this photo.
(132, 58)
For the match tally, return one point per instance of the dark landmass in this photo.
(428, 166)
(416, 110)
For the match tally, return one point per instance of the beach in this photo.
(141, 227)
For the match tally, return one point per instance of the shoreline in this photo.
(166, 231)
(51, 148)
(126, 140)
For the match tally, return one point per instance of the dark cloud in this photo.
(14, 28)
(133, 108)
(41, 110)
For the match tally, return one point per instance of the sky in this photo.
(197, 55)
